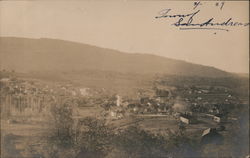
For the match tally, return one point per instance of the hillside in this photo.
(23, 54)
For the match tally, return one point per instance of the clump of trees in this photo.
(71, 137)
(61, 133)
(94, 138)
(62, 125)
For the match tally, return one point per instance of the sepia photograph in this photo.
(124, 79)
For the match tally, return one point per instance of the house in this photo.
(144, 100)
(205, 91)
(205, 132)
(118, 100)
(185, 120)
(188, 119)
(211, 136)
(217, 119)
(116, 113)
(162, 96)
(84, 91)
(177, 115)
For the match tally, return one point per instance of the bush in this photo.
(62, 130)
(135, 142)
(95, 137)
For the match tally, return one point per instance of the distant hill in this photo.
(23, 54)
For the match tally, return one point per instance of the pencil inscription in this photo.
(186, 21)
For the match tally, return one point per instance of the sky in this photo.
(131, 26)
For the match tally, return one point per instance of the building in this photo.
(162, 96)
(217, 119)
(211, 136)
(118, 100)
(188, 119)
(185, 120)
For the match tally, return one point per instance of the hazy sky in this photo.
(130, 26)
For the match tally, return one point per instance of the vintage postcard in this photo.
(124, 79)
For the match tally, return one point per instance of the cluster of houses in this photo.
(201, 104)
(30, 97)
(160, 103)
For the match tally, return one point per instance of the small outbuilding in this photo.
(211, 136)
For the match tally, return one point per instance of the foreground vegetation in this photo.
(95, 138)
